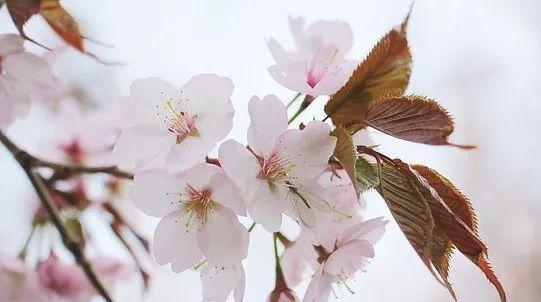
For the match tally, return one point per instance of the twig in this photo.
(27, 163)
(77, 169)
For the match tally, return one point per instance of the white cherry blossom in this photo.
(280, 167)
(351, 252)
(199, 209)
(219, 281)
(317, 66)
(179, 126)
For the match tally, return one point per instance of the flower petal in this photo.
(219, 281)
(239, 164)
(226, 193)
(139, 145)
(349, 258)
(199, 175)
(307, 150)
(156, 193)
(268, 119)
(10, 43)
(191, 151)
(292, 76)
(208, 93)
(319, 288)
(267, 206)
(371, 230)
(174, 243)
(223, 240)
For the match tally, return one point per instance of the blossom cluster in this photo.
(279, 173)
(165, 136)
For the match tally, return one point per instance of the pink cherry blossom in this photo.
(199, 209)
(317, 66)
(219, 281)
(351, 252)
(18, 282)
(67, 282)
(178, 125)
(280, 169)
(24, 77)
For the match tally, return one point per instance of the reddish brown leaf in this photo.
(21, 11)
(461, 206)
(409, 209)
(441, 252)
(385, 71)
(62, 23)
(412, 118)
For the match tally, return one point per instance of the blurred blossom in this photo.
(24, 78)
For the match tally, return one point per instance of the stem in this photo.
(252, 226)
(279, 272)
(28, 163)
(308, 99)
(22, 253)
(78, 169)
(326, 117)
(293, 100)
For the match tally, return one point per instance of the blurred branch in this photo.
(28, 163)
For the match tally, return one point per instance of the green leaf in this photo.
(411, 118)
(367, 176)
(345, 153)
(73, 226)
(385, 71)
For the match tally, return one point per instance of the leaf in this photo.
(54, 14)
(21, 11)
(453, 218)
(367, 177)
(409, 209)
(442, 250)
(385, 71)
(411, 118)
(62, 23)
(346, 153)
(462, 207)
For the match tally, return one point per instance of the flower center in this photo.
(275, 168)
(199, 207)
(319, 65)
(179, 120)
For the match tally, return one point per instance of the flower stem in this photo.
(308, 99)
(28, 163)
(279, 272)
(293, 100)
(22, 253)
(252, 226)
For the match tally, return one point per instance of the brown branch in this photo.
(78, 169)
(28, 163)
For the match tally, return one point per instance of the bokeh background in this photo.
(481, 59)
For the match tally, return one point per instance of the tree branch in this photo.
(28, 163)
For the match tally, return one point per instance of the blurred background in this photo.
(480, 59)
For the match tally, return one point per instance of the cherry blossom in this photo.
(62, 281)
(283, 295)
(279, 169)
(24, 78)
(179, 126)
(317, 66)
(351, 252)
(219, 281)
(18, 282)
(198, 210)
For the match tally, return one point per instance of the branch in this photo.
(78, 169)
(28, 163)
